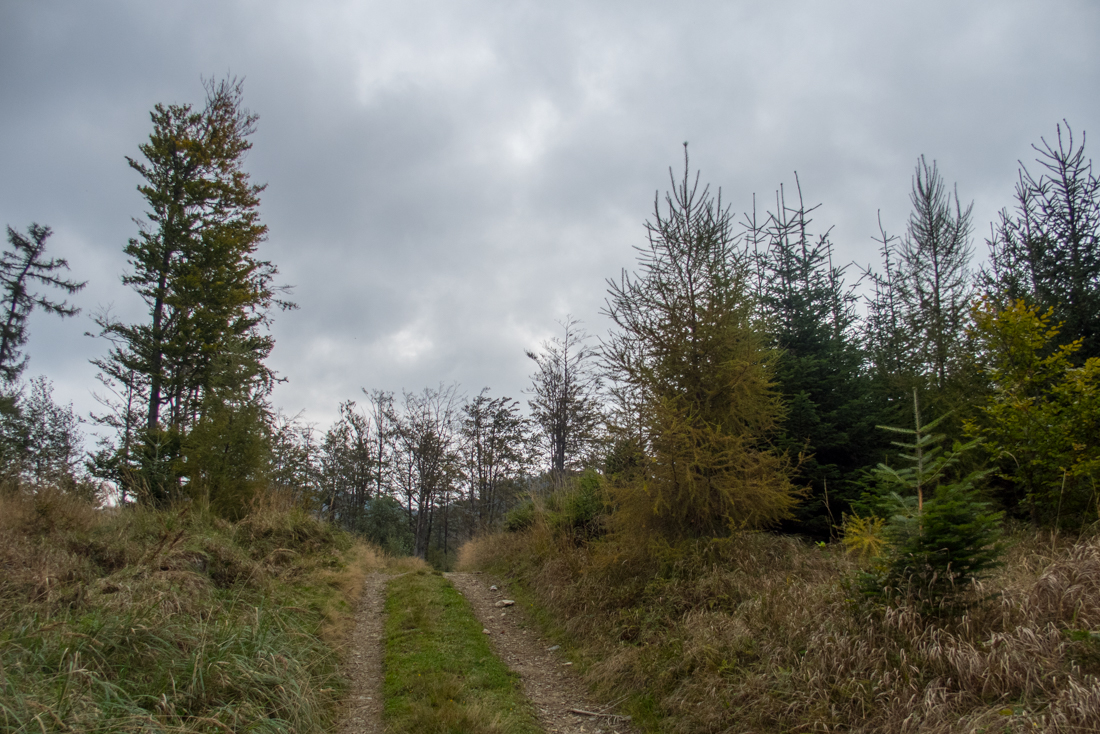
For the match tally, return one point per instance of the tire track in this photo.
(548, 680)
(363, 666)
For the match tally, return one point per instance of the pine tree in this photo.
(686, 344)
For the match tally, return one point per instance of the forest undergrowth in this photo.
(172, 621)
(760, 632)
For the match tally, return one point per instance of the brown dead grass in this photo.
(765, 633)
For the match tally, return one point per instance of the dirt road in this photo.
(548, 680)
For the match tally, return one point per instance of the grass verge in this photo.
(763, 633)
(441, 675)
(134, 620)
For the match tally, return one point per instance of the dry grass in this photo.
(407, 564)
(134, 620)
(764, 633)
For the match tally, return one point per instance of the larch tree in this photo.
(686, 342)
(196, 366)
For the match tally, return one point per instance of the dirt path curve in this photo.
(363, 666)
(548, 681)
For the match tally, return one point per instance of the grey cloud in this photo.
(445, 180)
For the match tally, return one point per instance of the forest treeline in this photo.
(744, 383)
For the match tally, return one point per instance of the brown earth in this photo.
(548, 679)
(363, 666)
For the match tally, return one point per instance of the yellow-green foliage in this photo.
(763, 633)
(690, 359)
(170, 621)
(864, 536)
(1040, 422)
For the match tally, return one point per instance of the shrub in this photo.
(520, 517)
(579, 511)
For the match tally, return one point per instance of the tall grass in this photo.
(134, 620)
(765, 633)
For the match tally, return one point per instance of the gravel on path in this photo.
(363, 666)
(548, 680)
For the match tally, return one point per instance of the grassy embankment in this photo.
(763, 633)
(441, 675)
(171, 621)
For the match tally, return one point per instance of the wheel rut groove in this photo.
(363, 665)
(549, 682)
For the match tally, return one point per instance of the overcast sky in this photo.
(446, 180)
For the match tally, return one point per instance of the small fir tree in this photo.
(942, 533)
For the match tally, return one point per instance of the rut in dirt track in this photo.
(363, 666)
(548, 680)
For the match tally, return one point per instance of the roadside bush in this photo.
(520, 517)
(579, 510)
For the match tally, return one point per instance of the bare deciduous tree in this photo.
(565, 398)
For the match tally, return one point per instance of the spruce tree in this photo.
(1047, 249)
(936, 284)
(943, 533)
(810, 319)
(919, 304)
(23, 266)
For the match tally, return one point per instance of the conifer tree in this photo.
(936, 285)
(21, 267)
(198, 361)
(943, 532)
(1047, 249)
(810, 319)
(686, 344)
(920, 301)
